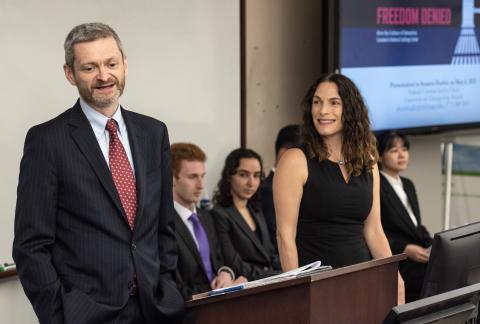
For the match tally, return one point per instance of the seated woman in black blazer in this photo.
(241, 228)
(400, 212)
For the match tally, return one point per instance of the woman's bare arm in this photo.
(290, 176)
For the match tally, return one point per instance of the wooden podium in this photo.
(361, 293)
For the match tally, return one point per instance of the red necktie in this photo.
(122, 174)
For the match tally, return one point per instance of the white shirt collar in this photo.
(99, 121)
(394, 181)
(184, 212)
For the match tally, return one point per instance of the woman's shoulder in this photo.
(292, 165)
(224, 211)
(218, 209)
(294, 156)
(221, 217)
(407, 182)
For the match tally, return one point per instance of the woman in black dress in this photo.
(241, 228)
(326, 193)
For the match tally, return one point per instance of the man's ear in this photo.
(69, 74)
(125, 64)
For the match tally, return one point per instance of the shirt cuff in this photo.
(227, 270)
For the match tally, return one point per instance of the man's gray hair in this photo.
(87, 33)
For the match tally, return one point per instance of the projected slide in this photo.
(416, 62)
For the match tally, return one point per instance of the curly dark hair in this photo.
(359, 144)
(223, 195)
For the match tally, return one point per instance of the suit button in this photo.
(134, 247)
(132, 287)
(265, 268)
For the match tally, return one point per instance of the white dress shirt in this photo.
(185, 214)
(99, 121)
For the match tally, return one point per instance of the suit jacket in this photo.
(191, 276)
(242, 249)
(268, 208)
(401, 231)
(76, 255)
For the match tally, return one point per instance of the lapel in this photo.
(238, 219)
(397, 204)
(84, 137)
(411, 198)
(260, 226)
(186, 237)
(137, 139)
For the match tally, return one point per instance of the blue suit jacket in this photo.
(75, 252)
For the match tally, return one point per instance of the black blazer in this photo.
(191, 276)
(242, 249)
(396, 222)
(401, 231)
(75, 253)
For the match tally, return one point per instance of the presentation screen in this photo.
(417, 63)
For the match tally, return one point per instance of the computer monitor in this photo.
(454, 260)
(457, 306)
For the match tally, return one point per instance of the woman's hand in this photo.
(401, 290)
(417, 253)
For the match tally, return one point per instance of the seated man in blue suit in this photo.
(200, 265)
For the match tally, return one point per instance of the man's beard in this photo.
(100, 101)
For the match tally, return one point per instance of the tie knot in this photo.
(193, 218)
(111, 126)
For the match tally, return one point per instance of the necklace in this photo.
(340, 161)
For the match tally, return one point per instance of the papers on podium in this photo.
(308, 269)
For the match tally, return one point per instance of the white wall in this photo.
(425, 170)
(183, 69)
(283, 58)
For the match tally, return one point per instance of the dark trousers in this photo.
(132, 313)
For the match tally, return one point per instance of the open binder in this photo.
(308, 269)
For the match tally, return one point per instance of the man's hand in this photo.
(417, 253)
(222, 280)
(239, 280)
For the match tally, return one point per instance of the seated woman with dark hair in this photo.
(400, 212)
(241, 228)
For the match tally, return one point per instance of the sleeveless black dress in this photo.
(332, 214)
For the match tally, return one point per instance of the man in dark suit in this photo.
(287, 138)
(400, 212)
(200, 262)
(94, 238)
